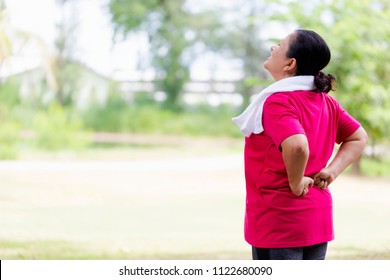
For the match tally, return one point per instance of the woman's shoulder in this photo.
(301, 97)
(279, 96)
(286, 96)
(331, 99)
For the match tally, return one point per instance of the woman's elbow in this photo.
(296, 144)
(364, 136)
(361, 137)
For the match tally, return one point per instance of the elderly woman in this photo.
(291, 129)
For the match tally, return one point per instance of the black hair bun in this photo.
(324, 82)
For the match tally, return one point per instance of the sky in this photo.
(94, 45)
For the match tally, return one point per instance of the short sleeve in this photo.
(280, 119)
(347, 125)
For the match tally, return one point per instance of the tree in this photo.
(66, 73)
(5, 46)
(358, 33)
(14, 41)
(242, 41)
(172, 30)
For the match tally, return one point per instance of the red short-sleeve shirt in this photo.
(275, 217)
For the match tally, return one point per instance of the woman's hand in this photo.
(349, 151)
(323, 178)
(303, 187)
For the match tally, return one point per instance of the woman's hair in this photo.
(312, 55)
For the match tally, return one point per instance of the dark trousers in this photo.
(314, 252)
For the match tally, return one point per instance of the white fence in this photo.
(195, 92)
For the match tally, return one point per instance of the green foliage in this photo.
(9, 94)
(148, 117)
(358, 33)
(10, 127)
(174, 31)
(5, 44)
(375, 167)
(166, 36)
(56, 130)
(65, 72)
(67, 75)
(108, 116)
(130, 15)
(245, 44)
(9, 140)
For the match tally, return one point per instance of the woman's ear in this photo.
(291, 65)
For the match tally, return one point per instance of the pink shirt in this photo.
(275, 217)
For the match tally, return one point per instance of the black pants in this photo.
(314, 252)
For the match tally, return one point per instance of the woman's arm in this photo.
(295, 150)
(349, 151)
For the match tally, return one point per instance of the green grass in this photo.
(150, 203)
(67, 250)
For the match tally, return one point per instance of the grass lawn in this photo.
(173, 202)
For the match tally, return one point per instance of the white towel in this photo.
(250, 121)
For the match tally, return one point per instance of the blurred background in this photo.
(116, 138)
